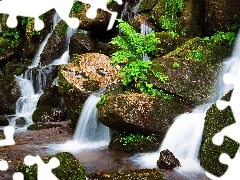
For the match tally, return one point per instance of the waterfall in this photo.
(145, 29)
(31, 84)
(90, 133)
(89, 129)
(185, 135)
(64, 59)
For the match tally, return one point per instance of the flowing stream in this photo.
(184, 137)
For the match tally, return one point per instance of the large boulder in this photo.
(70, 168)
(218, 16)
(189, 20)
(215, 121)
(192, 70)
(84, 75)
(50, 106)
(139, 113)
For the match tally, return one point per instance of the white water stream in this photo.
(145, 29)
(90, 133)
(184, 137)
(26, 104)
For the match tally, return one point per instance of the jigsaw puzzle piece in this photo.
(18, 176)
(3, 165)
(44, 170)
(8, 133)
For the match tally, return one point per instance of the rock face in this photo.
(215, 121)
(139, 113)
(218, 16)
(189, 20)
(50, 106)
(9, 94)
(192, 70)
(56, 44)
(84, 75)
(167, 160)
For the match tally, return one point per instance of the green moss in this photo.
(102, 100)
(135, 142)
(62, 29)
(209, 154)
(70, 168)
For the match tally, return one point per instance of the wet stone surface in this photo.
(104, 161)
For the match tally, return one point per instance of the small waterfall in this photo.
(89, 129)
(31, 83)
(185, 135)
(127, 13)
(64, 59)
(145, 29)
(89, 133)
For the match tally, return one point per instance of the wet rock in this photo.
(189, 20)
(84, 75)
(50, 106)
(3, 121)
(219, 18)
(192, 69)
(20, 122)
(152, 174)
(80, 43)
(135, 143)
(167, 160)
(39, 126)
(9, 94)
(139, 113)
(56, 44)
(140, 19)
(209, 153)
(70, 168)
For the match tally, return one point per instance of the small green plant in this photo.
(169, 20)
(102, 100)
(132, 47)
(196, 55)
(11, 36)
(134, 138)
(225, 38)
(176, 65)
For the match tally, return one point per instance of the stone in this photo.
(167, 160)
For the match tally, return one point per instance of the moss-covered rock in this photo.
(189, 20)
(139, 113)
(70, 168)
(3, 121)
(215, 121)
(135, 143)
(219, 18)
(9, 94)
(56, 44)
(168, 42)
(85, 75)
(192, 69)
(147, 5)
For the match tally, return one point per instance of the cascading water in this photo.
(90, 133)
(26, 104)
(145, 29)
(184, 137)
(64, 59)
